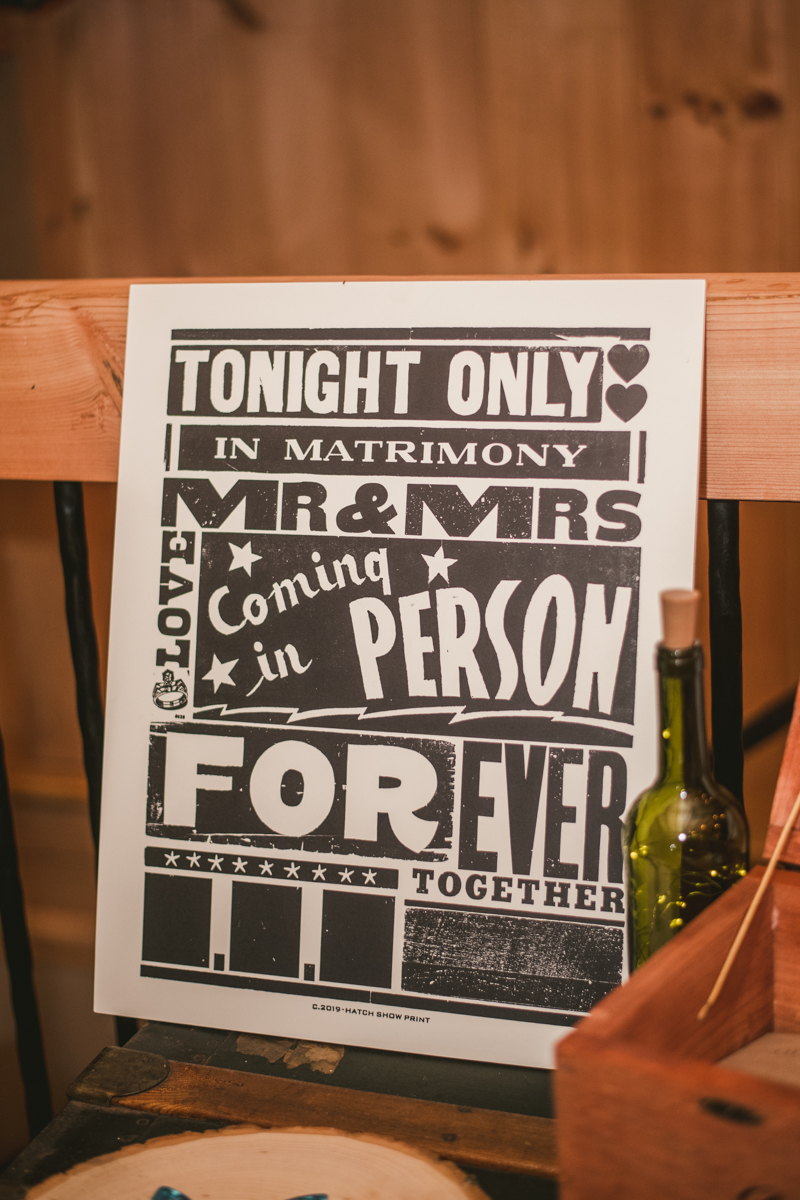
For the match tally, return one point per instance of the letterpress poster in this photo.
(381, 678)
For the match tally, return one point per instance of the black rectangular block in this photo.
(510, 960)
(265, 929)
(357, 935)
(177, 919)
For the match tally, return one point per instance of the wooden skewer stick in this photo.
(751, 912)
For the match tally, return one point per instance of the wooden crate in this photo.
(643, 1109)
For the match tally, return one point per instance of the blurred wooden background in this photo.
(225, 137)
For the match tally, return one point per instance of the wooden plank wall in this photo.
(260, 137)
(269, 137)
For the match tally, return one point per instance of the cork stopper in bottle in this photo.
(679, 617)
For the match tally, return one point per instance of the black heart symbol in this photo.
(626, 401)
(628, 361)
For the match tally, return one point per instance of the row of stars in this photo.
(240, 863)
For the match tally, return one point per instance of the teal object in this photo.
(168, 1193)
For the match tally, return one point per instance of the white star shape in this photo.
(194, 860)
(172, 859)
(221, 672)
(291, 872)
(242, 556)
(369, 876)
(215, 861)
(319, 872)
(345, 875)
(240, 864)
(266, 868)
(439, 565)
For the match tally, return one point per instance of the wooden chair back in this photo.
(62, 353)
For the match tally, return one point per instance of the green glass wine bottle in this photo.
(686, 837)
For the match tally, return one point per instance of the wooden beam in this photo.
(62, 348)
(473, 1137)
(752, 388)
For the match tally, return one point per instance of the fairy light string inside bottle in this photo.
(686, 837)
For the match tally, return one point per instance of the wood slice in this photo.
(245, 1163)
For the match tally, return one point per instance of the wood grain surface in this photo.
(61, 367)
(633, 1125)
(643, 1109)
(253, 1164)
(473, 1137)
(231, 137)
(62, 350)
(786, 940)
(785, 794)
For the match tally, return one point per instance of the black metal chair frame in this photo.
(86, 665)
